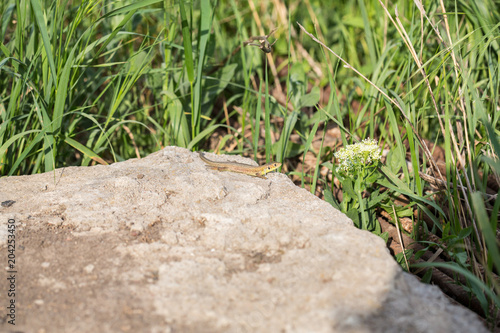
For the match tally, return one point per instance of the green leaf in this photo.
(384, 236)
(464, 233)
(404, 212)
(6, 19)
(256, 126)
(347, 186)
(132, 7)
(85, 150)
(427, 276)
(267, 119)
(178, 122)
(49, 152)
(310, 99)
(291, 120)
(38, 12)
(488, 233)
(399, 186)
(62, 92)
(206, 132)
(13, 139)
(330, 198)
(119, 27)
(27, 150)
(205, 28)
(375, 198)
(353, 214)
(186, 40)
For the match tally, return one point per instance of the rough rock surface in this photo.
(162, 244)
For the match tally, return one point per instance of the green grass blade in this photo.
(6, 17)
(84, 150)
(11, 140)
(178, 124)
(399, 186)
(267, 120)
(22, 157)
(128, 8)
(186, 39)
(49, 150)
(256, 127)
(368, 33)
(486, 229)
(206, 132)
(205, 27)
(118, 28)
(62, 92)
(38, 12)
(397, 137)
(317, 168)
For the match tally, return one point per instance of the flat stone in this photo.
(162, 244)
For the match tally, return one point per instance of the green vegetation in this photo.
(357, 171)
(104, 81)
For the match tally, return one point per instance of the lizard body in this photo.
(254, 171)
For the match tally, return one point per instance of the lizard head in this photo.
(271, 167)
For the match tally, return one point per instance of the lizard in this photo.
(254, 171)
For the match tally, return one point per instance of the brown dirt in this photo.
(56, 286)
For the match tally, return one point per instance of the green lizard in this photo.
(254, 171)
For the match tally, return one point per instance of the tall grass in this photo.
(104, 81)
(66, 78)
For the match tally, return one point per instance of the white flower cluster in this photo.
(358, 156)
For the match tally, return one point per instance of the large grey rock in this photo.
(162, 244)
